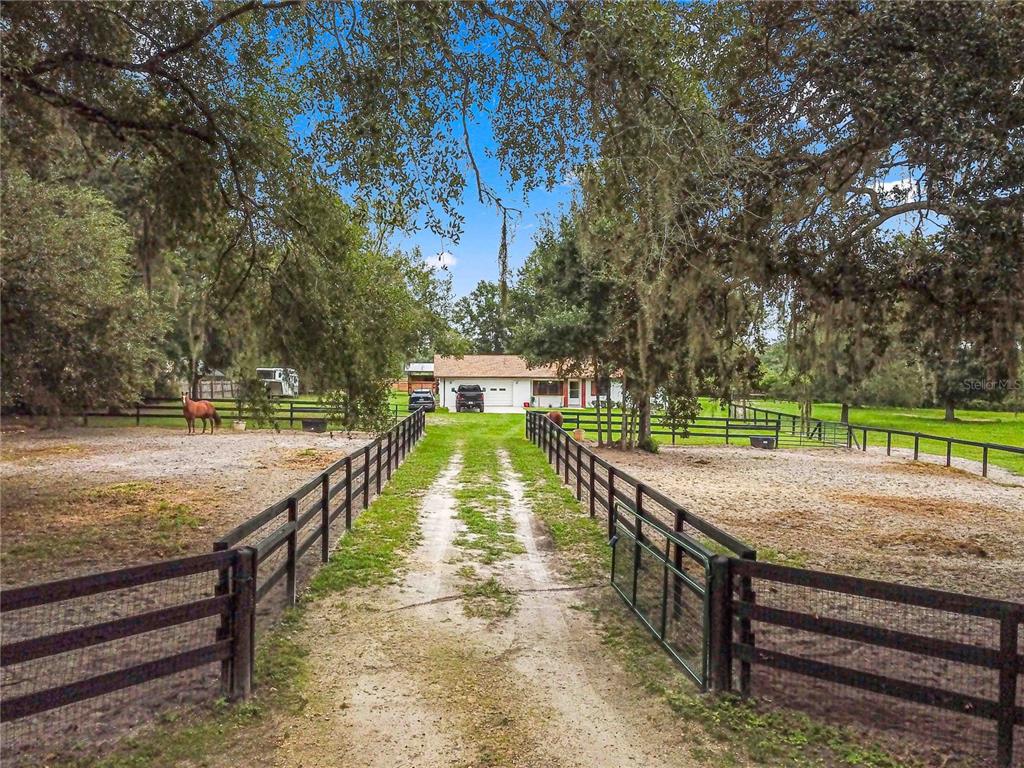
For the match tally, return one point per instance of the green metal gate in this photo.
(664, 576)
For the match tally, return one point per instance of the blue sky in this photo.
(475, 256)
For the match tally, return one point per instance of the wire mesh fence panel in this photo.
(917, 678)
(30, 740)
(685, 622)
(649, 595)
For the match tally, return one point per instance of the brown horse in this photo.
(555, 417)
(198, 409)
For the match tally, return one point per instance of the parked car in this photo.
(281, 382)
(469, 397)
(422, 398)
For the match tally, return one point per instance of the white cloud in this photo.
(443, 260)
(903, 190)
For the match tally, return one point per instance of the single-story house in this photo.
(510, 384)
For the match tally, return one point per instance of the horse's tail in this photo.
(215, 416)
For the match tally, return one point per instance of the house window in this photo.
(574, 390)
(547, 387)
(604, 387)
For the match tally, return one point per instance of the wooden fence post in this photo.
(293, 540)
(917, 445)
(747, 595)
(348, 492)
(243, 623)
(949, 452)
(138, 417)
(366, 477)
(224, 630)
(325, 518)
(590, 485)
(565, 457)
(1008, 638)
(864, 445)
(291, 414)
(721, 624)
(579, 472)
(611, 501)
(379, 466)
(984, 461)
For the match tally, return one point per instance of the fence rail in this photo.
(234, 605)
(856, 435)
(289, 411)
(947, 652)
(292, 525)
(162, 611)
(725, 428)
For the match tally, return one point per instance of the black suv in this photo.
(469, 397)
(422, 398)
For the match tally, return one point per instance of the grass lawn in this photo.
(1000, 427)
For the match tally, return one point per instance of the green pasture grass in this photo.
(1000, 427)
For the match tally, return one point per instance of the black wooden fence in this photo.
(856, 435)
(729, 429)
(922, 663)
(283, 411)
(82, 639)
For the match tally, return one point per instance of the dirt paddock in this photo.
(858, 513)
(867, 515)
(81, 500)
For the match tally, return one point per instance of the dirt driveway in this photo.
(81, 500)
(851, 512)
(416, 675)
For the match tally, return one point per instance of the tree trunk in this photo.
(193, 378)
(608, 411)
(623, 425)
(845, 415)
(644, 431)
(950, 410)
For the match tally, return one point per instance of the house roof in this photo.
(490, 366)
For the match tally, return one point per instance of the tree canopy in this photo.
(849, 172)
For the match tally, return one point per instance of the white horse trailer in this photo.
(281, 382)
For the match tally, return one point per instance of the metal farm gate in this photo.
(665, 576)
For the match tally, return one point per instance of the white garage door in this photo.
(496, 391)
